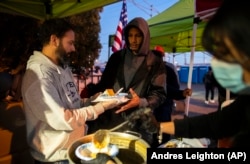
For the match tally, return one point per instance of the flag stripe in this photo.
(118, 39)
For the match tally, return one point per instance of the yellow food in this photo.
(100, 144)
(93, 155)
(87, 153)
(109, 92)
(101, 139)
(171, 145)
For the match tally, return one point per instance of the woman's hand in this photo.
(134, 102)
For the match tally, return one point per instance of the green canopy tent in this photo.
(173, 28)
(47, 9)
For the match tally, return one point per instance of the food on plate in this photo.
(86, 152)
(100, 144)
(178, 143)
(109, 92)
(170, 144)
(101, 139)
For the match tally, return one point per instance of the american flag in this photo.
(118, 39)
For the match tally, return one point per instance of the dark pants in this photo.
(209, 89)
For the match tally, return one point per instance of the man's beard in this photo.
(62, 56)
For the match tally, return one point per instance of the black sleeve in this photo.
(173, 85)
(174, 93)
(222, 123)
(109, 74)
(172, 78)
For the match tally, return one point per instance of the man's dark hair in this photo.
(56, 27)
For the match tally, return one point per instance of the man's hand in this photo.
(134, 102)
(187, 92)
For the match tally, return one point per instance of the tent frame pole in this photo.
(190, 73)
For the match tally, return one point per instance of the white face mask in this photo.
(230, 76)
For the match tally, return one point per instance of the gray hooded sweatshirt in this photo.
(54, 110)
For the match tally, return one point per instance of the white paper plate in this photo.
(113, 151)
(120, 97)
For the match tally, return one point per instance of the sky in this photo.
(137, 8)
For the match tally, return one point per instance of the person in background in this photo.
(163, 113)
(209, 84)
(6, 80)
(17, 73)
(138, 70)
(226, 37)
(14, 147)
(54, 111)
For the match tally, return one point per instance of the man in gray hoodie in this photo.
(55, 113)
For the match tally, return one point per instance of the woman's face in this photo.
(236, 56)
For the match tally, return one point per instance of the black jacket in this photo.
(233, 120)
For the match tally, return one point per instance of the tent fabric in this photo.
(47, 9)
(204, 9)
(173, 28)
